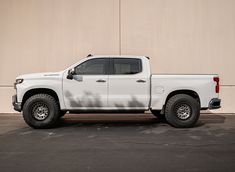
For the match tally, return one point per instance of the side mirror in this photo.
(71, 72)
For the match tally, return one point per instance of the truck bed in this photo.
(163, 84)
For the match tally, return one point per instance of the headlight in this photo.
(18, 81)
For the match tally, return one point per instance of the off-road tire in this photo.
(172, 112)
(52, 106)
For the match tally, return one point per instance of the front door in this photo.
(89, 87)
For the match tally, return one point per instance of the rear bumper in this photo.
(214, 103)
(16, 105)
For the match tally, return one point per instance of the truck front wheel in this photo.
(41, 111)
(182, 111)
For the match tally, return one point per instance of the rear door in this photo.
(129, 86)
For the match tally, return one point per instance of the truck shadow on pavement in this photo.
(115, 120)
(119, 120)
(94, 122)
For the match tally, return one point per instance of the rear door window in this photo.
(126, 66)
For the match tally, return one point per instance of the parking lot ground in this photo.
(118, 142)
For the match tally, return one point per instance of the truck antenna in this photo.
(89, 55)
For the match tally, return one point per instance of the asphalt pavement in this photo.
(118, 142)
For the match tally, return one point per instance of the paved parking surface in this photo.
(118, 142)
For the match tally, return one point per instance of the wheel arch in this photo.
(34, 91)
(191, 93)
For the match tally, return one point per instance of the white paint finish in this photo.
(227, 95)
(126, 93)
(85, 94)
(124, 90)
(203, 85)
(158, 90)
(118, 91)
(50, 80)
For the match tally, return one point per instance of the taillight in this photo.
(216, 79)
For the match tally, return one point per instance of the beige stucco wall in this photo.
(180, 36)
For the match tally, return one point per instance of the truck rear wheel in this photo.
(41, 111)
(182, 111)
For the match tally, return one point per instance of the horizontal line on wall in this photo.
(6, 86)
(227, 85)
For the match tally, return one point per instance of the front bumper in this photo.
(214, 103)
(16, 105)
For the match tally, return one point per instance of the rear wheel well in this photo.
(40, 91)
(188, 92)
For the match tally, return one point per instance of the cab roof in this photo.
(121, 56)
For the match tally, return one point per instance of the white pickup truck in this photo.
(114, 84)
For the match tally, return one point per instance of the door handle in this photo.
(141, 80)
(100, 80)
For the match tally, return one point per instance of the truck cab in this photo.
(108, 83)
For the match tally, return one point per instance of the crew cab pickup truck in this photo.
(114, 84)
